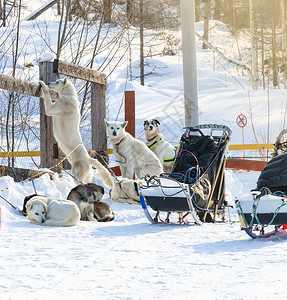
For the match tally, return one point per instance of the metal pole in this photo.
(189, 62)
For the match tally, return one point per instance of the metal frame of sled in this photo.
(264, 215)
(263, 212)
(167, 194)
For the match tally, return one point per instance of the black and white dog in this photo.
(156, 143)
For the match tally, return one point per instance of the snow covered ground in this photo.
(129, 258)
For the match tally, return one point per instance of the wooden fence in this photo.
(49, 71)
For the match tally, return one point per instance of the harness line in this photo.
(155, 143)
(31, 178)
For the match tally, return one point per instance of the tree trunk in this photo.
(206, 22)
(273, 38)
(283, 39)
(4, 13)
(141, 44)
(107, 11)
(254, 64)
(130, 9)
(197, 13)
(262, 47)
(59, 7)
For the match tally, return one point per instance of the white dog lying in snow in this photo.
(46, 211)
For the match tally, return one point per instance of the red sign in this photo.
(241, 120)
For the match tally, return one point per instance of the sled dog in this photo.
(156, 143)
(132, 155)
(87, 197)
(125, 191)
(103, 212)
(66, 119)
(26, 199)
(46, 211)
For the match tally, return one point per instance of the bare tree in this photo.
(107, 11)
(206, 22)
(130, 10)
(141, 42)
(254, 64)
(283, 39)
(273, 38)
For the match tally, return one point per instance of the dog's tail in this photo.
(108, 218)
(103, 172)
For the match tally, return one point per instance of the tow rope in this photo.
(16, 208)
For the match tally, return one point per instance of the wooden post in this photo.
(98, 114)
(130, 112)
(49, 152)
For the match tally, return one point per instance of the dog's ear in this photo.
(46, 207)
(26, 199)
(156, 122)
(29, 205)
(107, 123)
(145, 122)
(124, 124)
(65, 80)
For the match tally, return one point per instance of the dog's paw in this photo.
(44, 87)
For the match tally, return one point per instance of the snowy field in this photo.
(129, 258)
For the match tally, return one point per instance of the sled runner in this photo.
(195, 189)
(263, 211)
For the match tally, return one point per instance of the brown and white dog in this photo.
(87, 197)
(158, 145)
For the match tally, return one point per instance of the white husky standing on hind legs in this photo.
(66, 120)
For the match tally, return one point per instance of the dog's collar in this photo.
(119, 142)
(93, 193)
(152, 138)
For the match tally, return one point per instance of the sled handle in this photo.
(210, 126)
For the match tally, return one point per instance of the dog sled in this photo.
(194, 192)
(263, 211)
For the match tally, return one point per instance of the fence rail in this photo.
(238, 147)
(235, 147)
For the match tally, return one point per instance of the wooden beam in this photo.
(37, 13)
(21, 174)
(60, 67)
(245, 164)
(19, 86)
(20, 154)
(251, 147)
